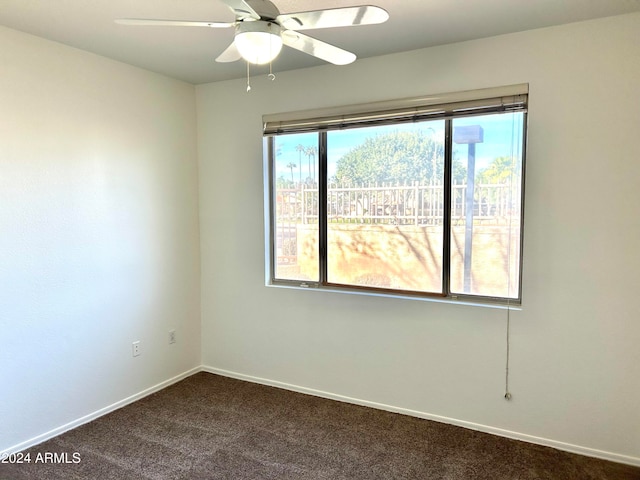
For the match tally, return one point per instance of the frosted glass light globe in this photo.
(258, 42)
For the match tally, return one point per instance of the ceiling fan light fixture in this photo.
(258, 42)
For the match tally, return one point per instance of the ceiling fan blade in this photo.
(242, 9)
(231, 54)
(171, 23)
(317, 48)
(336, 17)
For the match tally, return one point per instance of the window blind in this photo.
(448, 105)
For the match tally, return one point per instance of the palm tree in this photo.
(300, 149)
(311, 154)
(291, 166)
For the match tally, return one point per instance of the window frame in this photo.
(445, 107)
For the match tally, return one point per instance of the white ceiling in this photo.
(188, 53)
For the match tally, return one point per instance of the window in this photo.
(415, 197)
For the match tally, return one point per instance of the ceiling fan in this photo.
(261, 30)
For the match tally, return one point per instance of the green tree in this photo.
(500, 170)
(282, 182)
(397, 157)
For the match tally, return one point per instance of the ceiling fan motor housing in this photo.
(264, 8)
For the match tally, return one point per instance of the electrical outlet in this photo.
(172, 336)
(136, 348)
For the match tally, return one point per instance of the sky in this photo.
(502, 137)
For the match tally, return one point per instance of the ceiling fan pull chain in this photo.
(248, 77)
(271, 76)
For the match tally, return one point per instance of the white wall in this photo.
(99, 233)
(575, 374)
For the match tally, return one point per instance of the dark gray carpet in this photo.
(212, 427)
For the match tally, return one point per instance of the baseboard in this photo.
(589, 452)
(98, 413)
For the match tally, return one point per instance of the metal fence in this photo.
(400, 204)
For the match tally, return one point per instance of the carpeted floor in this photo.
(212, 427)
